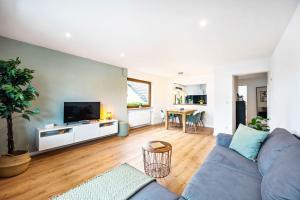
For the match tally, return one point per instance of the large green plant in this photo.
(259, 123)
(16, 94)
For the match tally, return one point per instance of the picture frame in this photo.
(261, 100)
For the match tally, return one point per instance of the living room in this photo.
(157, 86)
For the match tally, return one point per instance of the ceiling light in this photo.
(68, 35)
(203, 23)
(122, 55)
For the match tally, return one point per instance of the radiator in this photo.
(139, 117)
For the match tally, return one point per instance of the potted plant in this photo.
(260, 124)
(201, 102)
(16, 94)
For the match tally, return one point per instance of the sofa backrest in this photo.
(282, 181)
(277, 142)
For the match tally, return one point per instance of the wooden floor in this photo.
(58, 171)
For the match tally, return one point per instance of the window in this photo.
(138, 93)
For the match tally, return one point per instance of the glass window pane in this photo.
(138, 93)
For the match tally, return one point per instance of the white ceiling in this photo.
(155, 36)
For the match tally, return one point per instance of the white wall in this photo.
(162, 96)
(198, 89)
(285, 79)
(252, 83)
(224, 88)
(61, 77)
(158, 89)
(199, 79)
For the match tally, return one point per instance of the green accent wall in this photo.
(61, 77)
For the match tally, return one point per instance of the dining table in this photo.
(183, 112)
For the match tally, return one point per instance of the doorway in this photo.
(242, 98)
(250, 97)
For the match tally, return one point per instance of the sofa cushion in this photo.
(230, 158)
(283, 179)
(223, 139)
(221, 182)
(247, 141)
(276, 142)
(225, 170)
(154, 191)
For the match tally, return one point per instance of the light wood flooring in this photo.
(58, 171)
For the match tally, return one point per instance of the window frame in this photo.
(149, 92)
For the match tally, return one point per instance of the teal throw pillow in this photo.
(247, 141)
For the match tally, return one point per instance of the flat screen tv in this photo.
(81, 111)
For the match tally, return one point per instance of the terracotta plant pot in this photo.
(12, 165)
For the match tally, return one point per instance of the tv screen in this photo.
(79, 111)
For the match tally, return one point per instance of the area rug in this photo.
(120, 183)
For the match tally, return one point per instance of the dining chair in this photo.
(162, 115)
(173, 118)
(193, 120)
(202, 118)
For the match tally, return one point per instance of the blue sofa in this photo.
(226, 175)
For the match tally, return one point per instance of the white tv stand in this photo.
(59, 136)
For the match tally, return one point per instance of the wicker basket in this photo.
(12, 165)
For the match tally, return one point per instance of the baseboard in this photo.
(158, 124)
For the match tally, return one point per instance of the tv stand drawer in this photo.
(59, 136)
(108, 128)
(86, 132)
(55, 140)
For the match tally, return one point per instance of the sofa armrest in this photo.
(224, 139)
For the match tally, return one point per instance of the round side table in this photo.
(157, 161)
